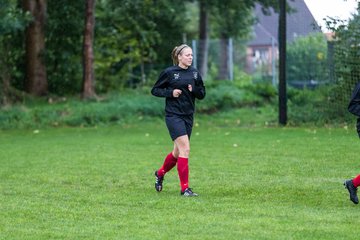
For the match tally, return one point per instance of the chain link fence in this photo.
(230, 59)
(316, 61)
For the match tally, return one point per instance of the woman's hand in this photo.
(176, 93)
(190, 87)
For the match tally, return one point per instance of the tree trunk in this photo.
(4, 89)
(36, 79)
(88, 52)
(4, 74)
(203, 39)
(224, 68)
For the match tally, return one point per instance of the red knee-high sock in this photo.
(169, 163)
(183, 170)
(356, 181)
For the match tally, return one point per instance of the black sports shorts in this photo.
(179, 125)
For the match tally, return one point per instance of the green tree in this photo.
(346, 63)
(347, 49)
(307, 58)
(64, 31)
(346, 57)
(132, 35)
(12, 23)
(231, 20)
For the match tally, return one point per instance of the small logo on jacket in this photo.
(195, 74)
(176, 75)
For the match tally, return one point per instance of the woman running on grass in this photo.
(179, 85)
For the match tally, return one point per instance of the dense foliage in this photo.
(345, 59)
(12, 25)
(63, 46)
(133, 38)
(133, 41)
(307, 59)
(305, 106)
(133, 35)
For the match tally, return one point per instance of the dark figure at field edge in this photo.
(354, 107)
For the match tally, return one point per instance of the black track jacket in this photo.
(176, 77)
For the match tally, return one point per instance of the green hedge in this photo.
(319, 106)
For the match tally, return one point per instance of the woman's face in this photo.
(185, 58)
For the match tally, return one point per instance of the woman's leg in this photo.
(183, 146)
(169, 163)
(175, 151)
(356, 181)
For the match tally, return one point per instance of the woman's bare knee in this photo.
(183, 145)
(184, 152)
(175, 151)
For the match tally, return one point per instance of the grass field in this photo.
(254, 183)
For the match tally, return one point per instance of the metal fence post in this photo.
(273, 59)
(193, 44)
(231, 59)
